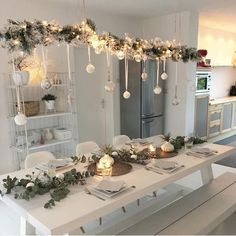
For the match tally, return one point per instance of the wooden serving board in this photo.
(118, 168)
(161, 154)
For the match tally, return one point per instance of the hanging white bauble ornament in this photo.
(164, 76)
(144, 76)
(98, 50)
(137, 57)
(90, 68)
(126, 94)
(144, 57)
(20, 119)
(157, 89)
(110, 86)
(120, 55)
(46, 84)
(175, 101)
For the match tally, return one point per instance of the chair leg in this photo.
(100, 220)
(123, 209)
(138, 202)
(82, 229)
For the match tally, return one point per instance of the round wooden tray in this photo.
(118, 168)
(160, 154)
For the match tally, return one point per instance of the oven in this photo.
(203, 82)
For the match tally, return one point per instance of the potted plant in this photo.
(49, 100)
(21, 75)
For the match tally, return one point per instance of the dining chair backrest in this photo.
(35, 158)
(86, 147)
(120, 140)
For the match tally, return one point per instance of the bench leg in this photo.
(26, 228)
(207, 174)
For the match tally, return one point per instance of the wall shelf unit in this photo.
(34, 136)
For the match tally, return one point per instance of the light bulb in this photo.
(144, 76)
(164, 76)
(126, 94)
(98, 50)
(157, 89)
(137, 57)
(175, 101)
(46, 84)
(110, 86)
(120, 55)
(90, 68)
(20, 119)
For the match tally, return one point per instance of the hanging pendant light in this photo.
(90, 68)
(176, 100)
(164, 75)
(126, 94)
(157, 89)
(144, 74)
(110, 85)
(45, 83)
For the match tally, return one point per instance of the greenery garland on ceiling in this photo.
(25, 36)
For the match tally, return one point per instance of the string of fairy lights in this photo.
(25, 36)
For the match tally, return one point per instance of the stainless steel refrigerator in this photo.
(142, 114)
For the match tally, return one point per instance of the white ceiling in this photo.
(213, 12)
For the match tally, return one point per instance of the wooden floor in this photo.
(10, 223)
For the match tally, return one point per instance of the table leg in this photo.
(207, 174)
(26, 228)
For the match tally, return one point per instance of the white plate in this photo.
(110, 186)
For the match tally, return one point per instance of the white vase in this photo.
(50, 105)
(48, 134)
(20, 78)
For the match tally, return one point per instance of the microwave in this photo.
(203, 82)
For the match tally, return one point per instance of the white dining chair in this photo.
(86, 147)
(35, 158)
(120, 140)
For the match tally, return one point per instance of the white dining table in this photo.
(79, 208)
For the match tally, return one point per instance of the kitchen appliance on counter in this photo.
(203, 81)
(142, 114)
(232, 91)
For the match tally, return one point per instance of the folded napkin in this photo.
(161, 166)
(111, 186)
(58, 162)
(201, 152)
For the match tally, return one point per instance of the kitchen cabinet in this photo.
(234, 116)
(227, 117)
(201, 116)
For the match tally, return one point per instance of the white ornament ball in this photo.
(60, 176)
(144, 76)
(46, 84)
(164, 76)
(175, 101)
(115, 154)
(144, 57)
(110, 86)
(90, 68)
(137, 57)
(30, 185)
(134, 157)
(20, 119)
(120, 55)
(126, 94)
(157, 89)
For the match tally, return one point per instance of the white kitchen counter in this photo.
(222, 100)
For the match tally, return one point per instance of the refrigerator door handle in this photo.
(146, 122)
(148, 115)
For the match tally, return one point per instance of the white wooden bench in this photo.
(196, 213)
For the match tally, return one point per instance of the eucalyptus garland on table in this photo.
(179, 141)
(41, 183)
(26, 35)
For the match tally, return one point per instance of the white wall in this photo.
(164, 27)
(221, 46)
